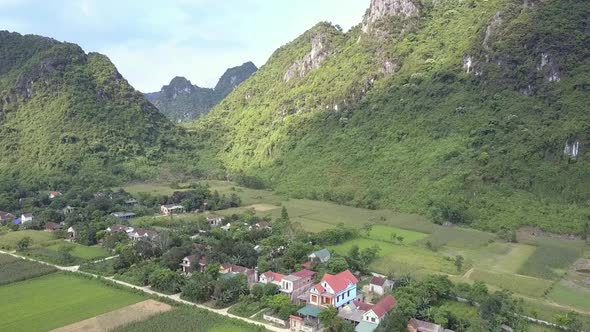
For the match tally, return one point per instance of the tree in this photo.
(337, 264)
(284, 214)
(367, 228)
(459, 263)
(65, 254)
(24, 243)
(172, 258)
(165, 280)
(228, 290)
(328, 316)
(586, 231)
(198, 288)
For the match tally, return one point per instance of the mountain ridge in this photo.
(182, 101)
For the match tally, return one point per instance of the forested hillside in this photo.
(67, 116)
(474, 112)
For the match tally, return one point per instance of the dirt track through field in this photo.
(110, 320)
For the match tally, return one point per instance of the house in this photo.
(17, 221)
(251, 274)
(120, 228)
(27, 217)
(214, 220)
(306, 320)
(263, 225)
(141, 234)
(322, 256)
(334, 290)
(365, 316)
(171, 209)
(307, 265)
(380, 285)
(416, 325)
(73, 233)
(5, 216)
(67, 210)
(123, 215)
(193, 263)
(270, 277)
(52, 227)
(297, 285)
(54, 194)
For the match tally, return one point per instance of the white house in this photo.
(214, 220)
(139, 234)
(334, 290)
(26, 217)
(171, 209)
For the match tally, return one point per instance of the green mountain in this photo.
(70, 116)
(475, 112)
(182, 101)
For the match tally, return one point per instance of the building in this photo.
(6, 216)
(120, 228)
(171, 209)
(52, 227)
(322, 256)
(215, 221)
(416, 325)
(142, 234)
(250, 274)
(27, 217)
(67, 210)
(131, 202)
(54, 194)
(365, 316)
(193, 263)
(270, 277)
(334, 290)
(297, 285)
(123, 215)
(307, 320)
(73, 233)
(380, 285)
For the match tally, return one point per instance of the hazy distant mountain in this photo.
(182, 101)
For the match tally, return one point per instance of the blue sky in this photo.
(152, 41)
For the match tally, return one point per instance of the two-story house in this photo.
(193, 263)
(270, 277)
(366, 317)
(297, 285)
(334, 290)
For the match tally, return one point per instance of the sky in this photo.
(152, 41)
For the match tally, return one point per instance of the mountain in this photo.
(473, 112)
(182, 101)
(70, 116)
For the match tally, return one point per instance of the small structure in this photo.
(26, 217)
(307, 265)
(270, 277)
(54, 194)
(215, 221)
(171, 209)
(193, 263)
(131, 202)
(307, 320)
(380, 285)
(376, 313)
(123, 215)
(416, 325)
(67, 210)
(334, 290)
(6, 216)
(582, 265)
(17, 221)
(142, 234)
(73, 233)
(226, 227)
(322, 256)
(52, 227)
(228, 269)
(263, 225)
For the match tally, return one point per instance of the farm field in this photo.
(83, 252)
(186, 319)
(571, 295)
(14, 269)
(528, 268)
(80, 253)
(9, 240)
(56, 300)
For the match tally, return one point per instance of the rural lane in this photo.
(147, 290)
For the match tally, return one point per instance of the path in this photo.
(469, 273)
(147, 290)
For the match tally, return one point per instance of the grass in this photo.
(13, 269)
(84, 252)
(57, 300)
(552, 258)
(548, 312)
(384, 233)
(528, 286)
(245, 308)
(9, 240)
(103, 268)
(571, 295)
(401, 259)
(80, 253)
(190, 319)
(459, 238)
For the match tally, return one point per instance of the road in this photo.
(147, 290)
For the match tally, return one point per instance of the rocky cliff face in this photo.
(312, 60)
(380, 9)
(182, 101)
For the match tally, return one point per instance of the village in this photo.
(304, 282)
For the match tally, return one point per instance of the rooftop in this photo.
(309, 310)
